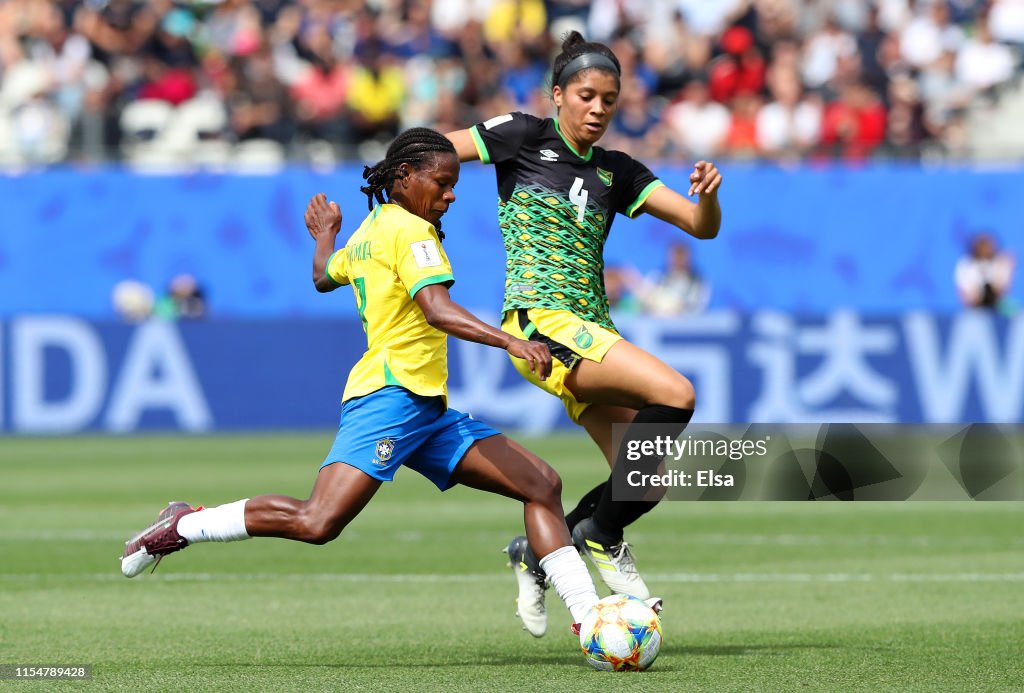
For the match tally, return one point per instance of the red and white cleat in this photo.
(150, 545)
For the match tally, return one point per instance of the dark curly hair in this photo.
(413, 147)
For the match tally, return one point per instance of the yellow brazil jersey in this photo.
(391, 256)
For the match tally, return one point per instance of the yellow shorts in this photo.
(569, 338)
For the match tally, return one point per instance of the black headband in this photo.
(585, 62)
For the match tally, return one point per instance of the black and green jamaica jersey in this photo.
(555, 209)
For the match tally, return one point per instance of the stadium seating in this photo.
(258, 155)
(144, 124)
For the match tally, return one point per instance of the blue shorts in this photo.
(392, 427)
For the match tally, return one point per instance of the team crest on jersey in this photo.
(583, 338)
(605, 176)
(548, 155)
(385, 448)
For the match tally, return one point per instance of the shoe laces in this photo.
(541, 580)
(168, 542)
(623, 559)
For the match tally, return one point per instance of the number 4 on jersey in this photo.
(578, 196)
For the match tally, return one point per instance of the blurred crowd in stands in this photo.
(677, 289)
(323, 80)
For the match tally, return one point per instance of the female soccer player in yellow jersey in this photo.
(394, 409)
(558, 194)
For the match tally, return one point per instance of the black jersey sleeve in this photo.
(499, 139)
(633, 186)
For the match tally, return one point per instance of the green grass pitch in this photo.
(414, 596)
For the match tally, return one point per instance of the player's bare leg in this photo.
(630, 377)
(500, 465)
(339, 494)
(597, 420)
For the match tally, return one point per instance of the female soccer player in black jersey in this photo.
(558, 194)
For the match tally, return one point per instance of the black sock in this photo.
(585, 508)
(612, 517)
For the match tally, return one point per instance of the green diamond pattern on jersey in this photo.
(553, 261)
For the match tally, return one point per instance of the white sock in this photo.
(223, 523)
(571, 579)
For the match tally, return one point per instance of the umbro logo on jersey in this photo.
(548, 155)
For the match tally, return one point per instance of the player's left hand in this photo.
(534, 353)
(322, 215)
(705, 178)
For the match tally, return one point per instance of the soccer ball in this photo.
(620, 633)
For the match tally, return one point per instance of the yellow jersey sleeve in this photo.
(339, 268)
(419, 259)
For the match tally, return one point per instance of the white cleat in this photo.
(614, 563)
(655, 603)
(533, 585)
(135, 563)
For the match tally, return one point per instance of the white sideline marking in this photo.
(63, 535)
(639, 538)
(836, 577)
(689, 578)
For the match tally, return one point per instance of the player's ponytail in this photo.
(579, 55)
(377, 182)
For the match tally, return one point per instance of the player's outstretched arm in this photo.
(448, 316)
(464, 146)
(700, 220)
(323, 221)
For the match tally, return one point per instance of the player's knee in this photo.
(547, 487)
(322, 534)
(320, 529)
(678, 393)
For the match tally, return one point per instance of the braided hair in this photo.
(413, 147)
(573, 46)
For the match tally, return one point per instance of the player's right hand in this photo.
(322, 215)
(534, 353)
